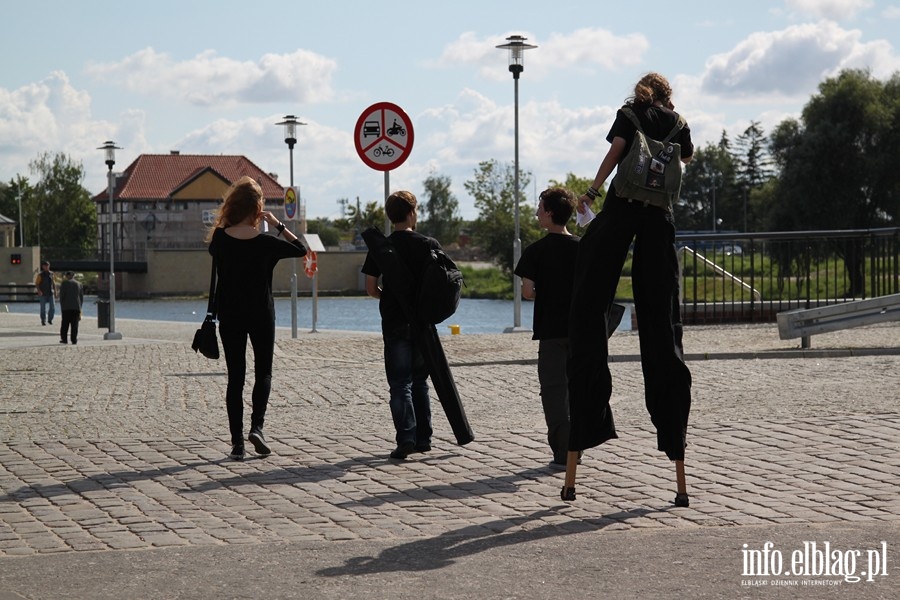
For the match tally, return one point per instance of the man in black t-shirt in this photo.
(547, 269)
(404, 364)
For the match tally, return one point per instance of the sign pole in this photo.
(387, 192)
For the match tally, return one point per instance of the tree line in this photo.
(833, 168)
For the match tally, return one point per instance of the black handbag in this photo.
(205, 341)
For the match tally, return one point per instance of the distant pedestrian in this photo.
(547, 269)
(45, 287)
(71, 297)
(245, 259)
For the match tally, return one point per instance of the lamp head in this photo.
(290, 130)
(109, 147)
(516, 46)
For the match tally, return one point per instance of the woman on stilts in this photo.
(601, 256)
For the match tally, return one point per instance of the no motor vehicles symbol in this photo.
(383, 136)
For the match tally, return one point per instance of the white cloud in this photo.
(829, 9)
(210, 80)
(51, 115)
(891, 12)
(585, 49)
(792, 62)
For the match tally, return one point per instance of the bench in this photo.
(802, 323)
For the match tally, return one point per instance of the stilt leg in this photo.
(568, 491)
(681, 497)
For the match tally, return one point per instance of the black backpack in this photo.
(440, 289)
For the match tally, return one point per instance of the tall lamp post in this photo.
(516, 46)
(290, 138)
(110, 148)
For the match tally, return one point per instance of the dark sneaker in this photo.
(259, 443)
(423, 448)
(237, 452)
(403, 450)
(63, 342)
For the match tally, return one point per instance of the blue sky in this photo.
(213, 77)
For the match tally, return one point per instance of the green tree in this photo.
(492, 189)
(61, 214)
(327, 232)
(836, 164)
(439, 214)
(753, 168)
(708, 187)
(363, 218)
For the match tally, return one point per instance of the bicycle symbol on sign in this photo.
(396, 129)
(386, 150)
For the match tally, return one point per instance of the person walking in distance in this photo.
(547, 269)
(602, 252)
(245, 259)
(45, 286)
(71, 297)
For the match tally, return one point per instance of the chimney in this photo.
(174, 152)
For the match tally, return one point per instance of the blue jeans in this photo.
(408, 381)
(45, 300)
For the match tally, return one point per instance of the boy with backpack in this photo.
(404, 363)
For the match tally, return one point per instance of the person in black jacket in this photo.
(245, 259)
(655, 278)
(404, 364)
(71, 297)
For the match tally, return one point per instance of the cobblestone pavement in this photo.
(121, 445)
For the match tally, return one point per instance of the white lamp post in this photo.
(290, 138)
(516, 46)
(110, 149)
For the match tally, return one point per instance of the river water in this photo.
(355, 313)
(343, 313)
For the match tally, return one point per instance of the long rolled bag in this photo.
(399, 281)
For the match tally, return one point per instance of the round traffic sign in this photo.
(383, 136)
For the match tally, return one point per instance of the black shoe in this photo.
(64, 342)
(422, 448)
(50, 321)
(403, 450)
(259, 443)
(237, 452)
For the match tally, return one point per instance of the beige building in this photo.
(167, 201)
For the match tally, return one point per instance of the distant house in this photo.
(168, 201)
(7, 232)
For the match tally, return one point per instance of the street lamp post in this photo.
(21, 228)
(290, 138)
(110, 148)
(516, 46)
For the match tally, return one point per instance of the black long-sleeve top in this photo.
(244, 270)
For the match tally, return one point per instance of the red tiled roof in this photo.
(158, 176)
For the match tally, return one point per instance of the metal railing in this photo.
(740, 277)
